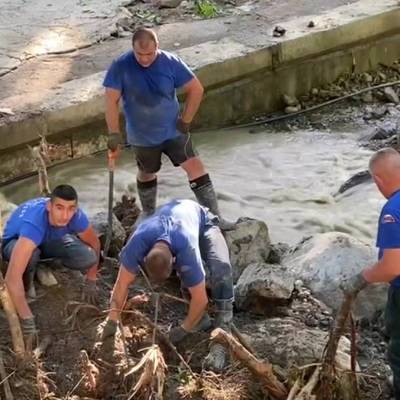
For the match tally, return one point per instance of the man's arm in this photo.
(90, 238)
(112, 109)
(386, 269)
(19, 260)
(120, 292)
(194, 94)
(197, 306)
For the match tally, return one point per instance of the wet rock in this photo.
(248, 243)
(277, 252)
(290, 100)
(324, 260)
(375, 112)
(292, 109)
(100, 224)
(314, 91)
(278, 31)
(262, 285)
(383, 131)
(311, 24)
(366, 77)
(367, 97)
(357, 179)
(127, 212)
(169, 3)
(391, 95)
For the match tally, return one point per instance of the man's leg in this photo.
(392, 317)
(215, 254)
(181, 152)
(149, 162)
(73, 253)
(30, 271)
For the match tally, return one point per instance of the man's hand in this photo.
(354, 284)
(183, 127)
(177, 334)
(109, 329)
(29, 332)
(89, 291)
(114, 141)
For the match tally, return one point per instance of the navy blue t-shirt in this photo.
(31, 220)
(389, 228)
(178, 223)
(150, 104)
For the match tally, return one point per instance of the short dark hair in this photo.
(144, 35)
(65, 192)
(158, 264)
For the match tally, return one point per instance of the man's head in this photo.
(384, 167)
(158, 262)
(62, 205)
(145, 46)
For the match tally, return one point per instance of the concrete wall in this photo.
(240, 81)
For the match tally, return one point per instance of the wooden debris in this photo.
(4, 380)
(262, 370)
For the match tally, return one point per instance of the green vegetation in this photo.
(207, 8)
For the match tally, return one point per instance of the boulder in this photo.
(100, 224)
(262, 285)
(323, 261)
(248, 243)
(391, 95)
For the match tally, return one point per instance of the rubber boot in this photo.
(205, 194)
(147, 192)
(217, 358)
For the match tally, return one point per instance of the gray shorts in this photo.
(178, 150)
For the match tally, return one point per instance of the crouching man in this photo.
(48, 228)
(179, 236)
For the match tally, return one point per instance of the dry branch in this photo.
(4, 379)
(262, 370)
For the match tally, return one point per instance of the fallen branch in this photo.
(261, 370)
(4, 379)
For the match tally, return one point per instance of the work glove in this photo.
(114, 140)
(108, 330)
(177, 334)
(183, 127)
(89, 292)
(29, 332)
(217, 358)
(354, 284)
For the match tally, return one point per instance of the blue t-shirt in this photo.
(31, 220)
(179, 223)
(389, 228)
(150, 104)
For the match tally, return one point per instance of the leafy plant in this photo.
(207, 8)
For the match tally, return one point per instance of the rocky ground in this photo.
(279, 311)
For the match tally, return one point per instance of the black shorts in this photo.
(178, 151)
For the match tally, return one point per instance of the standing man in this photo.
(146, 79)
(178, 236)
(48, 228)
(385, 170)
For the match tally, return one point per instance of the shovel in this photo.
(111, 165)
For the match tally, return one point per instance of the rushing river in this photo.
(285, 179)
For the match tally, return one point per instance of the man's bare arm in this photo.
(90, 238)
(120, 292)
(194, 94)
(386, 269)
(197, 306)
(19, 260)
(112, 109)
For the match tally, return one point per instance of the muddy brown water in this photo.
(286, 179)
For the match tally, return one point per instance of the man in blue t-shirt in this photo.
(48, 228)
(178, 236)
(146, 79)
(385, 170)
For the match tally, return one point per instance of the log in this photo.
(261, 370)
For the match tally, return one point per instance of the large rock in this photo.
(100, 224)
(248, 243)
(262, 285)
(324, 260)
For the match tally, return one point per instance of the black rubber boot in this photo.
(205, 194)
(217, 358)
(147, 192)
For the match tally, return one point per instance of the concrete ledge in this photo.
(240, 80)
